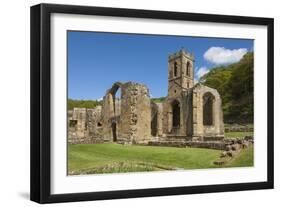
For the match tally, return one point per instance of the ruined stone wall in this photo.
(107, 116)
(80, 115)
(156, 119)
(77, 128)
(138, 120)
(135, 118)
(188, 113)
(94, 122)
(111, 112)
(85, 125)
(70, 126)
(191, 115)
(185, 129)
(117, 103)
(201, 131)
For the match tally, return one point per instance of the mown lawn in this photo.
(111, 158)
(238, 134)
(244, 159)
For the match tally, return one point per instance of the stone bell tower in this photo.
(181, 72)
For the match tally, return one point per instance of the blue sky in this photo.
(96, 60)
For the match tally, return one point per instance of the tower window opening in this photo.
(188, 69)
(175, 69)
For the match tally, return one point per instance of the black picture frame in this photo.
(41, 99)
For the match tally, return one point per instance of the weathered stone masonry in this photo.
(189, 112)
(130, 124)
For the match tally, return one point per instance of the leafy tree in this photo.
(158, 100)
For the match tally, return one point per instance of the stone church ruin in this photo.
(190, 113)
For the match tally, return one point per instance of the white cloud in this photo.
(221, 55)
(100, 99)
(201, 71)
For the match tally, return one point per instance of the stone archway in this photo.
(112, 112)
(116, 87)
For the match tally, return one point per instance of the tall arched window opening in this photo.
(175, 69)
(188, 69)
(176, 114)
(208, 100)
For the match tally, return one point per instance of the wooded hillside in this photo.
(71, 103)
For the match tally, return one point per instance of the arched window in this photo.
(176, 114)
(175, 69)
(208, 100)
(115, 93)
(188, 69)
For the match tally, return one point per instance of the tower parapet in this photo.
(183, 52)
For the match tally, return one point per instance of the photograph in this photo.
(133, 103)
(151, 102)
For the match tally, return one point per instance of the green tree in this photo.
(71, 103)
(158, 100)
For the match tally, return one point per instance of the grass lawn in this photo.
(245, 158)
(238, 134)
(111, 157)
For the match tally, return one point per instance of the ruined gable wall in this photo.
(214, 131)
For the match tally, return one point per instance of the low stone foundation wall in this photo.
(86, 140)
(231, 144)
(238, 128)
(228, 146)
(197, 144)
(212, 139)
(208, 145)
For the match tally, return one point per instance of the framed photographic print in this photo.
(133, 103)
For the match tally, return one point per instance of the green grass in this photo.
(238, 134)
(245, 158)
(112, 158)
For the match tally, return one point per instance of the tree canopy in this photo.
(158, 100)
(71, 103)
